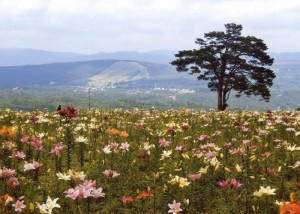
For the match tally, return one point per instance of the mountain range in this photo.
(32, 68)
(15, 56)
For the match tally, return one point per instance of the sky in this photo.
(91, 26)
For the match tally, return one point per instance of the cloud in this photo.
(109, 25)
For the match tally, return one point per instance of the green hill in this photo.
(99, 73)
(122, 71)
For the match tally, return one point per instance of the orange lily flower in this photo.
(292, 208)
(123, 134)
(7, 199)
(145, 195)
(113, 131)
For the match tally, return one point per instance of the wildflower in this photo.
(123, 134)
(182, 182)
(8, 172)
(147, 146)
(2, 173)
(68, 112)
(223, 184)
(290, 208)
(245, 129)
(127, 199)
(235, 184)
(185, 127)
(9, 144)
(107, 172)
(171, 124)
(281, 203)
(7, 199)
(156, 176)
(124, 146)
(64, 176)
(210, 154)
(245, 142)
(166, 154)
(28, 166)
(217, 133)
(263, 132)
(289, 129)
(277, 141)
(41, 135)
(271, 171)
(19, 205)
(267, 154)
(57, 148)
(20, 155)
(107, 150)
(140, 125)
(112, 145)
(287, 207)
(49, 206)
(114, 174)
(36, 143)
(195, 177)
(203, 137)
(264, 191)
(77, 175)
(97, 193)
(89, 184)
(81, 139)
(13, 182)
(180, 148)
(34, 118)
(186, 201)
(37, 164)
(84, 191)
(252, 158)
(72, 193)
(164, 143)
(145, 194)
(238, 168)
(293, 148)
(237, 151)
(9, 132)
(185, 156)
(203, 170)
(113, 131)
(227, 145)
(171, 130)
(236, 123)
(25, 139)
(174, 207)
(110, 173)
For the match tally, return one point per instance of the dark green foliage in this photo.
(229, 61)
(49, 97)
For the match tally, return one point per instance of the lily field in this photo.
(148, 161)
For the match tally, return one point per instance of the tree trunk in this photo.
(224, 104)
(220, 98)
(220, 86)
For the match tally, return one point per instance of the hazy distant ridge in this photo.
(28, 68)
(99, 73)
(13, 57)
